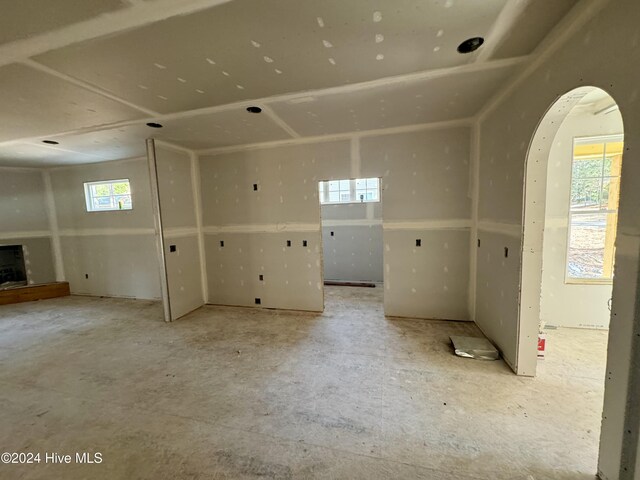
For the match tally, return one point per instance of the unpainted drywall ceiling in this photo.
(34, 103)
(536, 19)
(195, 70)
(442, 98)
(22, 19)
(237, 50)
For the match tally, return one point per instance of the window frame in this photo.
(89, 197)
(603, 139)
(323, 192)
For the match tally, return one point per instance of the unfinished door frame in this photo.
(380, 191)
(159, 232)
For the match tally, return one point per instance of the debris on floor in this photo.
(474, 347)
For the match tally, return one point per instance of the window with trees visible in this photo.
(350, 191)
(108, 195)
(593, 212)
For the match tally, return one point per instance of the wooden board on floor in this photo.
(31, 293)
(349, 284)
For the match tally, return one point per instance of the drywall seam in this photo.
(93, 232)
(279, 121)
(26, 234)
(197, 204)
(139, 15)
(467, 68)
(510, 14)
(455, 224)
(158, 231)
(172, 146)
(352, 87)
(263, 228)
(474, 191)
(356, 160)
(510, 229)
(362, 222)
(561, 33)
(76, 165)
(179, 232)
(20, 169)
(463, 122)
(53, 226)
(87, 86)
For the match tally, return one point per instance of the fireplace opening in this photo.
(13, 272)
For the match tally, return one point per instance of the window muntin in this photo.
(593, 212)
(349, 191)
(108, 195)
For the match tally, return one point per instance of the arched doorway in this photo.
(535, 195)
(591, 213)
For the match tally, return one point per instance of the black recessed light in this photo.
(470, 45)
(154, 125)
(254, 109)
(50, 142)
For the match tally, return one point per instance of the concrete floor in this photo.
(242, 393)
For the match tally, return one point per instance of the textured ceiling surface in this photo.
(318, 67)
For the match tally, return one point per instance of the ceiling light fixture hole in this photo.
(50, 142)
(154, 125)
(254, 109)
(470, 45)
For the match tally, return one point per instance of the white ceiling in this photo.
(317, 67)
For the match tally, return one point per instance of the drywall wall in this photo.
(424, 192)
(24, 221)
(178, 209)
(352, 241)
(596, 53)
(568, 304)
(106, 253)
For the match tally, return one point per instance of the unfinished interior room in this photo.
(332, 239)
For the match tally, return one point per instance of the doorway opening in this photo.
(570, 216)
(352, 244)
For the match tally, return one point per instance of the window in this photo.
(350, 191)
(108, 195)
(593, 212)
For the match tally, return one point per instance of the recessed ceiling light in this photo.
(254, 109)
(470, 45)
(50, 142)
(154, 125)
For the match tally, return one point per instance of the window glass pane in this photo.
(373, 195)
(361, 194)
(585, 194)
(102, 203)
(345, 196)
(361, 183)
(334, 185)
(100, 190)
(123, 202)
(345, 185)
(334, 196)
(372, 182)
(121, 188)
(586, 253)
(583, 168)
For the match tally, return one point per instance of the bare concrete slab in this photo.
(234, 393)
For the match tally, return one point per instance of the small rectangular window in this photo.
(108, 195)
(350, 191)
(593, 212)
